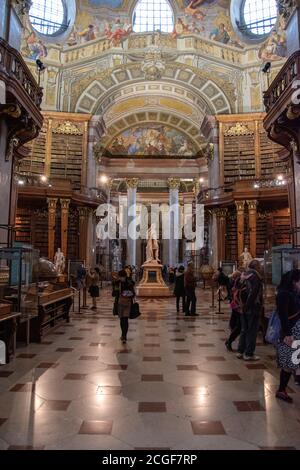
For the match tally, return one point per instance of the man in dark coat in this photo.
(179, 290)
(252, 300)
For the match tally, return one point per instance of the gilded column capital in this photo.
(132, 183)
(221, 212)
(240, 206)
(84, 212)
(64, 204)
(252, 205)
(174, 183)
(52, 203)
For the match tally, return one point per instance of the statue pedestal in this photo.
(152, 283)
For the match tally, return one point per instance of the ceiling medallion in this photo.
(153, 66)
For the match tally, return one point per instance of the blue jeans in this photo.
(250, 325)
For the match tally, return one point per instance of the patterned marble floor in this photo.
(173, 386)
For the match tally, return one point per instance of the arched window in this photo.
(153, 15)
(48, 16)
(259, 16)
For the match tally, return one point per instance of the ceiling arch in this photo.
(150, 117)
(214, 94)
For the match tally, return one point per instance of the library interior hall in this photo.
(150, 225)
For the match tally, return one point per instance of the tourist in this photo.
(171, 275)
(190, 291)
(115, 282)
(252, 304)
(179, 290)
(288, 308)
(125, 300)
(94, 291)
(235, 304)
(223, 283)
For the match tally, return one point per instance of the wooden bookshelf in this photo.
(231, 237)
(34, 164)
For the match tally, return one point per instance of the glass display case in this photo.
(19, 279)
(284, 258)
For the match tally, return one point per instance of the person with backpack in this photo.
(179, 290)
(252, 304)
(288, 309)
(235, 304)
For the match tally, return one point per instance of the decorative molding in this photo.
(10, 109)
(286, 8)
(68, 128)
(153, 65)
(237, 130)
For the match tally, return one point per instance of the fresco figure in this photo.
(220, 34)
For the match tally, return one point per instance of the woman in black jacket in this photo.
(288, 307)
(126, 295)
(179, 290)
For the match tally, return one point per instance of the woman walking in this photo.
(125, 301)
(288, 308)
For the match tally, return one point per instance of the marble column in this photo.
(174, 184)
(252, 208)
(240, 209)
(52, 203)
(84, 213)
(64, 205)
(221, 233)
(132, 185)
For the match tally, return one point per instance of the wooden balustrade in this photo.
(281, 88)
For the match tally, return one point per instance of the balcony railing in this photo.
(282, 88)
(17, 76)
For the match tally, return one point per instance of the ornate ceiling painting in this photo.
(170, 81)
(152, 139)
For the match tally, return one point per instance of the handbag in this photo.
(274, 329)
(134, 311)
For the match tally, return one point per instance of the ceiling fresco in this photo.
(152, 139)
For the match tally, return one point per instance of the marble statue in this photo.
(246, 258)
(152, 248)
(59, 262)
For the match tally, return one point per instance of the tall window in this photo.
(259, 16)
(48, 16)
(153, 15)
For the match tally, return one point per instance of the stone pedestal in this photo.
(152, 283)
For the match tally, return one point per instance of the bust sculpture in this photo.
(59, 262)
(246, 258)
(152, 248)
